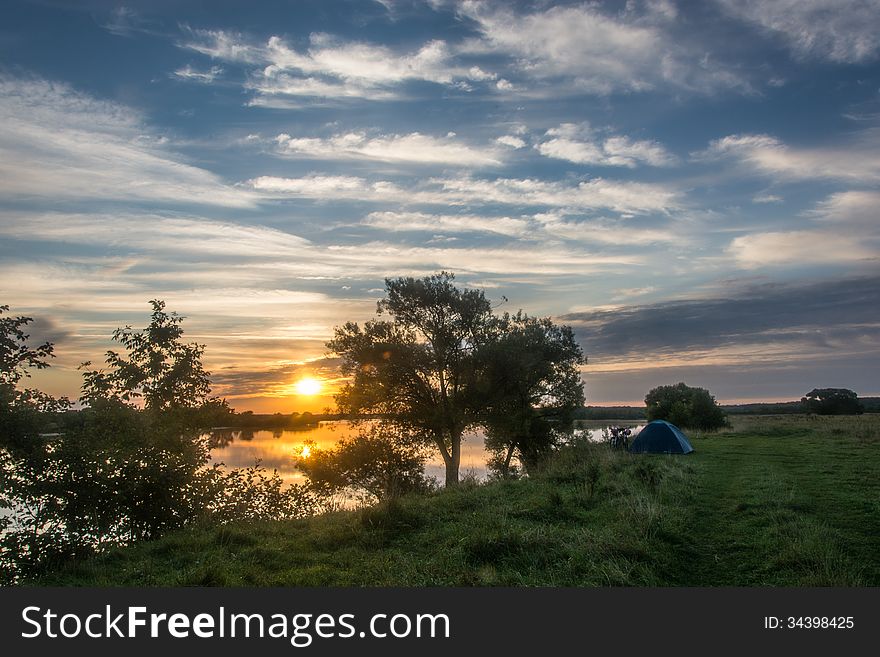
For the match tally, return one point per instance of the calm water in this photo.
(276, 449)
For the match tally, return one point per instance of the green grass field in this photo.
(775, 501)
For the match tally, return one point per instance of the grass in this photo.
(787, 500)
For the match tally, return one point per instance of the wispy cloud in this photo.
(858, 161)
(595, 51)
(855, 210)
(58, 143)
(597, 193)
(335, 68)
(767, 198)
(604, 231)
(411, 148)
(191, 74)
(434, 223)
(844, 31)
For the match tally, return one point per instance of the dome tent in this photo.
(661, 437)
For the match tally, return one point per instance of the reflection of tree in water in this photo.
(220, 438)
(277, 433)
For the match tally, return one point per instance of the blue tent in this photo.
(661, 437)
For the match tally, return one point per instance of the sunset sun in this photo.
(307, 386)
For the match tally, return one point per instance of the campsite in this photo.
(785, 500)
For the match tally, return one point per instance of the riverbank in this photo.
(778, 501)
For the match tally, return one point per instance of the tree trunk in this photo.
(507, 459)
(453, 464)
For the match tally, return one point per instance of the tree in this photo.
(16, 356)
(114, 472)
(158, 367)
(832, 401)
(23, 412)
(382, 462)
(27, 535)
(531, 387)
(685, 406)
(158, 452)
(417, 370)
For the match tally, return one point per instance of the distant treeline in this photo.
(871, 405)
(611, 413)
(251, 420)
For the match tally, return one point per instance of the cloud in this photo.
(126, 22)
(604, 231)
(411, 148)
(190, 74)
(57, 143)
(794, 320)
(854, 210)
(334, 68)
(512, 141)
(800, 247)
(600, 53)
(596, 193)
(234, 256)
(542, 227)
(592, 51)
(844, 230)
(563, 49)
(271, 381)
(845, 31)
(857, 162)
(579, 144)
(767, 198)
(322, 187)
(420, 221)
(224, 45)
(154, 233)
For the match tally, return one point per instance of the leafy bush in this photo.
(381, 463)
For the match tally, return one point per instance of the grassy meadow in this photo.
(774, 501)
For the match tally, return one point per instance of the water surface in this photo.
(276, 449)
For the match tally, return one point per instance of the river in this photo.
(275, 450)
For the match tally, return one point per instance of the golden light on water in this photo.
(307, 386)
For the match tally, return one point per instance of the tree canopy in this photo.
(157, 367)
(832, 401)
(417, 369)
(531, 387)
(685, 406)
(443, 362)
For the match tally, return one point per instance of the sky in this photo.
(692, 186)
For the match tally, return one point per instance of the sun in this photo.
(307, 386)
